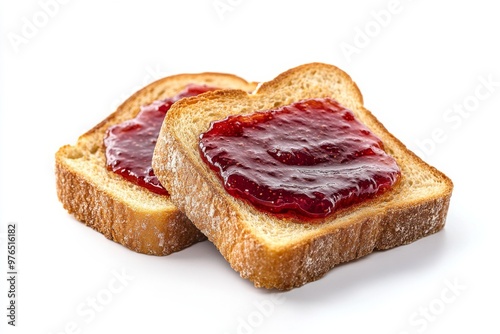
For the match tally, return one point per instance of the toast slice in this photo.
(279, 253)
(131, 215)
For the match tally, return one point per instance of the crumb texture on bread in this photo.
(277, 253)
(122, 211)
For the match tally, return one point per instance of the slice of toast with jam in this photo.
(251, 179)
(138, 215)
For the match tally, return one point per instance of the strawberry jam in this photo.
(305, 160)
(130, 145)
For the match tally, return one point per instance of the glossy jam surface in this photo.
(130, 145)
(308, 159)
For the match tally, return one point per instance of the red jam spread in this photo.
(308, 159)
(130, 145)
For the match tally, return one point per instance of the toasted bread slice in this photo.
(279, 253)
(124, 212)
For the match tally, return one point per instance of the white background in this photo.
(416, 67)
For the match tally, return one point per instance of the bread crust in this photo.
(123, 212)
(272, 252)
